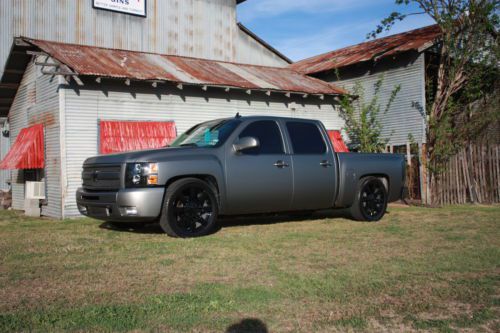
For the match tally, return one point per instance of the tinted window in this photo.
(209, 134)
(269, 136)
(306, 138)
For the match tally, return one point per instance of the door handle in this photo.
(325, 164)
(281, 164)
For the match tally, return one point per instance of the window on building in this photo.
(269, 136)
(306, 138)
(122, 136)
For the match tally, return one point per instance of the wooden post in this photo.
(408, 154)
(424, 179)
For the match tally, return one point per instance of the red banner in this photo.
(338, 142)
(122, 136)
(28, 151)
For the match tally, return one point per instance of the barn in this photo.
(80, 78)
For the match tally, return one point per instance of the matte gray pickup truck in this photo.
(238, 166)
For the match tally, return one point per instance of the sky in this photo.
(304, 28)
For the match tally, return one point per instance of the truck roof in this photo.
(256, 117)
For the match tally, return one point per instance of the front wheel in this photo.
(189, 209)
(370, 203)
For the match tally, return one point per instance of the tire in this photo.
(370, 202)
(190, 209)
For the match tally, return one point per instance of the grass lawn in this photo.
(419, 269)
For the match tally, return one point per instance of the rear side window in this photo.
(269, 136)
(306, 138)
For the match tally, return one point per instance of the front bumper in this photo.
(126, 205)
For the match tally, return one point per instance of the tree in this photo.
(362, 122)
(467, 71)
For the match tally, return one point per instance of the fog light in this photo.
(82, 209)
(130, 211)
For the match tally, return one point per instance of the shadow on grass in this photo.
(248, 325)
(232, 221)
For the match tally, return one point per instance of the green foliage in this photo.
(462, 88)
(362, 117)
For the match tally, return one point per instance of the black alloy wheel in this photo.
(190, 209)
(371, 200)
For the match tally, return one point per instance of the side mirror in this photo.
(245, 144)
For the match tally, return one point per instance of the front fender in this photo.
(193, 166)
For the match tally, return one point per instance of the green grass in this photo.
(434, 270)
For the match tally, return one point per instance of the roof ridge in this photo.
(366, 42)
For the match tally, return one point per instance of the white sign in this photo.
(133, 7)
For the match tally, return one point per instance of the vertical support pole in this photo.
(424, 179)
(408, 154)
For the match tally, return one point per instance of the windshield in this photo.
(206, 135)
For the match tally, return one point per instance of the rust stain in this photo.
(375, 49)
(45, 118)
(89, 60)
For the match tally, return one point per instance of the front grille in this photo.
(101, 177)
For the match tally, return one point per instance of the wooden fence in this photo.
(471, 176)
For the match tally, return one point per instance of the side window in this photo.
(306, 138)
(269, 136)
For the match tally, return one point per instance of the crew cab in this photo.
(238, 166)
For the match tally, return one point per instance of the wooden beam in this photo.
(9, 85)
(46, 64)
(14, 71)
(58, 73)
(36, 53)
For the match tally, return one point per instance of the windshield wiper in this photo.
(188, 145)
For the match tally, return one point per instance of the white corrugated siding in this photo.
(18, 118)
(37, 101)
(250, 51)
(197, 28)
(85, 108)
(4, 148)
(407, 113)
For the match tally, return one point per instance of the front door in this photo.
(259, 180)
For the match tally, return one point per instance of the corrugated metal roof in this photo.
(418, 40)
(95, 61)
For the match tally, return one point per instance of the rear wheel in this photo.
(189, 209)
(370, 203)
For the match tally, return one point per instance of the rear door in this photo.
(259, 180)
(313, 166)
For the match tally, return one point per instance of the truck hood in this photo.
(152, 155)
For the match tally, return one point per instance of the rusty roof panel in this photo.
(88, 60)
(372, 50)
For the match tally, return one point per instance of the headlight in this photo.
(141, 174)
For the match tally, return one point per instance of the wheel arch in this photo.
(207, 178)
